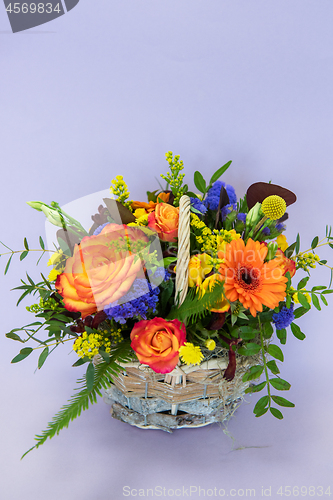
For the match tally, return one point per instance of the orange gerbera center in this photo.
(249, 279)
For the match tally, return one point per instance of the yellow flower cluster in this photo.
(190, 354)
(119, 188)
(50, 303)
(174, 178)
(295, 296)
(212, 241)
(88, 345)
(306, 260)
(115, 335)
(273, 207)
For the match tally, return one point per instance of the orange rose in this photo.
(102, 269)
(284, 263)
(156, 343)
(165, 220)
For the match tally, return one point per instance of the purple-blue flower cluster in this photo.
(139, 300)
(227, 209)
(284, 318)
(198, 205)
(100, 228)
(213, 196)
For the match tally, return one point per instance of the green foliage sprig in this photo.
(90, 386)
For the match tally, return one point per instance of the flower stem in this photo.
(264, 360)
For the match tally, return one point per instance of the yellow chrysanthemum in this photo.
(190, 354)
(55, 258)
(273, 207)
(54, 274)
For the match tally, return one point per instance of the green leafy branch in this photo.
(90, 386)
(25, 252)
(265, 403)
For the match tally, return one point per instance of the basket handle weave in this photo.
(183, 256)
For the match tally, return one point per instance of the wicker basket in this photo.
(189, 396)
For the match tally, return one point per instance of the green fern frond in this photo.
(195, 307)
(80, 401)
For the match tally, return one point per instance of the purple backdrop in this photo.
(107, 89)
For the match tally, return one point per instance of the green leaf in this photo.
(105, 355)
(253, 373)
(42, 357)
(250, 349)
(22, 355)
(315, 301)
(303, 282)
(41, 242)
(282, 335)
(297, 331)
(276, 413)
(261, 404)
(104, 372)
(256, 388)
(267, 330)
(200, 182)
(299, 312)
(261, 412)
(323, 300)
(303, 300)
(317, 288)
(8, 264)
(282, 401)
(90, 374)
(219, 172)
(26, 246)
(272, 366)
(24, 254)
(247, 333)
(290, 250)
(314, 242)
(14, 336)
(280, 384)
(298, 243)
(81, 361)
(275, 351)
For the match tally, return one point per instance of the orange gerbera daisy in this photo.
(249, 279)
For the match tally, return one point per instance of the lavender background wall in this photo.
(107, 89)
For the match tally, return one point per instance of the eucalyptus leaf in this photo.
(42, 357)
(24, 353)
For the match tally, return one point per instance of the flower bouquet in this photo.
(172, 304)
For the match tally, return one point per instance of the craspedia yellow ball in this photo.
(273, 207)
(210, 344)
